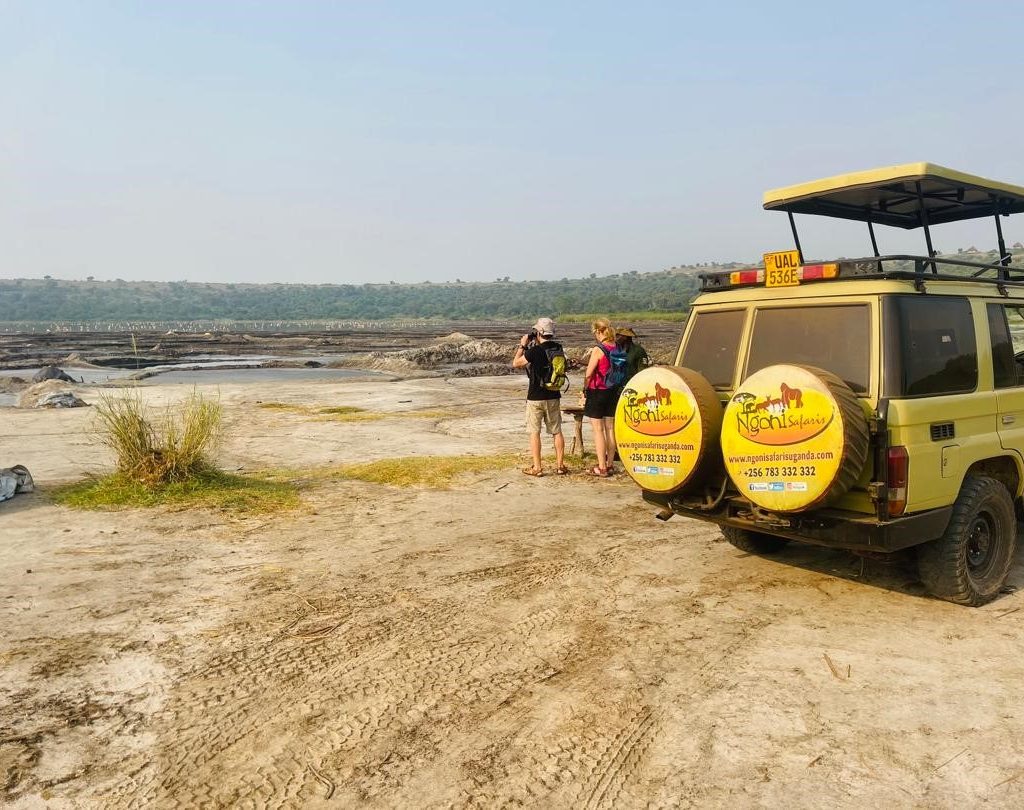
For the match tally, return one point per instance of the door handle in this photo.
(1009, 420)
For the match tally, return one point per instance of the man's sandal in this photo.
(534, 472)
(563, 470)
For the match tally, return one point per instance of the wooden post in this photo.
(577, 438)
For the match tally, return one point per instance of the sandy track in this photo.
(545, 644)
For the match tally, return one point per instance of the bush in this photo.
(175, 449)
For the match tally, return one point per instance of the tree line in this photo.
(59, 300)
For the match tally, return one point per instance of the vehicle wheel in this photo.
(969, 563)
(753, 542)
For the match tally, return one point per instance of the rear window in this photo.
(930, 346)
(713, 345)
(835, 338)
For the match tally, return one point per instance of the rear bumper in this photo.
(835, 528)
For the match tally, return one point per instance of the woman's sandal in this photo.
(563, 470)
(600, 472)
(534, 472)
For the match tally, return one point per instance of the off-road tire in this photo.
(753, 542)
(856, 437)
(707, 457)
(969, 563)
(852, 453)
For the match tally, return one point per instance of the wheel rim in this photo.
(981, 543)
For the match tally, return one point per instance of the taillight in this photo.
(898, 467)
(816, 271)
(746, 276)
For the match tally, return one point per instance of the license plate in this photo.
(781, 269)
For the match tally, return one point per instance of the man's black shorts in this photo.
(601, 403)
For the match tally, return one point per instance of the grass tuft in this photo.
(437, 472)
(174, 449)
(211, 489)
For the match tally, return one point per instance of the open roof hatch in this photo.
(911, 195)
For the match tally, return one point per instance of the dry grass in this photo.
(176, 448)
(350, 413)
(166, 462)
(438, 472)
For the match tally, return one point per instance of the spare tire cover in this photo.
(794, 437)
(667, 423)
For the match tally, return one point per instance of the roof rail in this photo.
(907, 267)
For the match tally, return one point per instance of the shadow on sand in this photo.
(22, 502)
(896, 572)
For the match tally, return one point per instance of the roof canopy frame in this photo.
(872, 196)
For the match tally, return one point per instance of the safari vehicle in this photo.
(872, 404)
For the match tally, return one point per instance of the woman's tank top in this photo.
(604, 365)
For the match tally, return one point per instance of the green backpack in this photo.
(552, 376)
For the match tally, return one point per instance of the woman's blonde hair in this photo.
(603, 330)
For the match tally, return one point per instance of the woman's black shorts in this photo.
(601, 403)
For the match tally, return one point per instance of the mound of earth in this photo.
(451, 352)
(12, 385)
(50, 394)
(457, 338)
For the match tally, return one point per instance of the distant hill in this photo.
(51, 300)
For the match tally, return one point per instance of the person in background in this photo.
(542, 406)
(601, 397)
(637, 358)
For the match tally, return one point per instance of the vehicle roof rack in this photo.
(910, 195)
(904, 267)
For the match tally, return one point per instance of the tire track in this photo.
(347, 693)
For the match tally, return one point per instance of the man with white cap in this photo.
(543, 405)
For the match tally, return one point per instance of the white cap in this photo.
(545, 326)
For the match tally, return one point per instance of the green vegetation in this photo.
(339, 410)
(626, 317)
(437, 472)
(167, 463)
(350, 413)
(632, 296)
(173, 451)
(53, 301)
(210, 489)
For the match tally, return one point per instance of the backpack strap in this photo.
(607, 356)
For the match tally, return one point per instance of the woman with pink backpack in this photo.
(602, 384)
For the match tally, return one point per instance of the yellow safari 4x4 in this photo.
(871, 404)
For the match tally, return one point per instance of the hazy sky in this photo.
(351, 142)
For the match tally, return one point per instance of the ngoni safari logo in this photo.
(792, 416)
(657, 412)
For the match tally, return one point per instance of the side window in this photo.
(1005, 371)
(714, 344)
(930, 346)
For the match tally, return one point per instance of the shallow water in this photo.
(204, 374)
(90, 376)
(215, 376)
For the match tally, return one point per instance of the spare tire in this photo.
(793, 438)
(667, 424)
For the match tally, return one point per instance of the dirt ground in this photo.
(511, 641)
